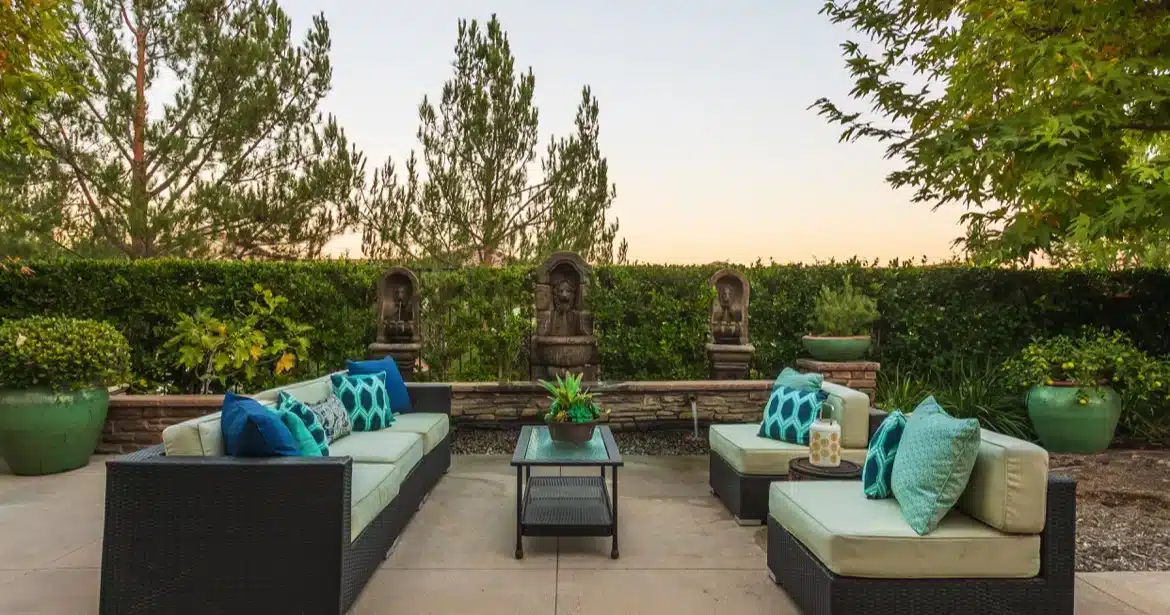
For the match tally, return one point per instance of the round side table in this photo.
(802, 469)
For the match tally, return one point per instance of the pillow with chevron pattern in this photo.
(879, 459)
(365, 400)
(292, 405)
(790, 413)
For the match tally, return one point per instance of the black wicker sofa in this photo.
(1008, 549)
(218, 534)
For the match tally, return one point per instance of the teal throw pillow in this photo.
(795, 380)
(790, 413)
(309, 420)
(333, 417)
(934, 462)
(365, 400)
(305, 442)
(879, 459)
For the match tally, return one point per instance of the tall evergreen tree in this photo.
(477, 202)
(237, 162)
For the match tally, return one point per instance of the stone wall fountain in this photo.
(399, 331)
(729, 348)
(564, 341)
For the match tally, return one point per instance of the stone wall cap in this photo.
(170, 401)
(650, 386)
(839, 366)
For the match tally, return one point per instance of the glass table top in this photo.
(537, 447)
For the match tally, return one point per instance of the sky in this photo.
(704, 118)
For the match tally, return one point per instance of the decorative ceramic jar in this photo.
(824, 443)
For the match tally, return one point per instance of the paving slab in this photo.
(670, 592)
(447, 592)
(1148, 592)
(47, 592)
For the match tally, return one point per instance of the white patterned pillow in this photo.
(333, 417)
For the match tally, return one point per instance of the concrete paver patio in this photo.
(682, 553)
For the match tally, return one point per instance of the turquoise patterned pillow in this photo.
(933, 464)
(288, 403)
(365, 400)
(790, 413)
(306, 444)
(879, 459)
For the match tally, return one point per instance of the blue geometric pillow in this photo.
(365, 399)
(790, 414)
(395, 385)
(879, 459)
(292, 405)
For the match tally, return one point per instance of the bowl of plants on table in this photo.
(572, 414)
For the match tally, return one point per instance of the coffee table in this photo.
(565, 505)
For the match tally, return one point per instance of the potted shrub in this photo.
(54, 374)
(840, 321)
(1077, 385)
(572, 414)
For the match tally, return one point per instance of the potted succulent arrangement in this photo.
(1077, 386)
(54, 379)
(840, 321)
(572, 413)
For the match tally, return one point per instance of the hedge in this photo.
(650, 320)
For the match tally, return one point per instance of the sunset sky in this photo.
(704, 117)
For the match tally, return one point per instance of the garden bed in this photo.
(1123, 497)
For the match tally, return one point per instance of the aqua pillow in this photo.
(307, 419)
(790, 413)
(251, 430)
(365, 400)
(395, 385)
(795, 380)
(879, 458)
(934, 462)
(301, 436)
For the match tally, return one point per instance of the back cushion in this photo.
(1008, 489)
(199, 437)
(850, 409)
(312, 391)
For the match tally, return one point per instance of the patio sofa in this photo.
(1008, 547)
(743, 464)
(191, 530)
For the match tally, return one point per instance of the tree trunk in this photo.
(139, 218)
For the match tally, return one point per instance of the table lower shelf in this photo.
(566, 506)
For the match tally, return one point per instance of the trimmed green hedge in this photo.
(650, 320)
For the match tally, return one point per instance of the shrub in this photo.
(61, 353)
(843, 312)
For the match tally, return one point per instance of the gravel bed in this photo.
(1123, 497)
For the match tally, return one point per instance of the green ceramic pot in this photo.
(1067, 426)
(42, 432)
(836, 348)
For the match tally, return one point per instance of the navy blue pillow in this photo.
(251, 430)
(395, 385)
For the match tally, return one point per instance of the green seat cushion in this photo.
(934, 461)
(858, 537)
(789, 414)
(879, 458)
(365, 400)
(741, 446)
(384, 446)
(319, 446)
(795, 380)
(372, 487)
(432, 426)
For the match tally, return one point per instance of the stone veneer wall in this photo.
(859, 375)
(137, 421)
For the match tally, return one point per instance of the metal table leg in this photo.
(520, 471)
(613, 554)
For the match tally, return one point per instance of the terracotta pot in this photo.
(572, 433)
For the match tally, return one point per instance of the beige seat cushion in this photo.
(312, 391)
(432, 426)
(1008, 488)
(748, 453)
(384, 446)
(372, 487)
(850, 408)
(857, 537)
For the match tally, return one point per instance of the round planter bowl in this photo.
(1066, 426)
(571, 433)
(42, 432)
(836, 348)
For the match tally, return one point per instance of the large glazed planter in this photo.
(1066, 426)
(836, 348)
(42, 432)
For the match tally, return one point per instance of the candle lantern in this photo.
(824, 443)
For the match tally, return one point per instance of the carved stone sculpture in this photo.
(729, 348)
(397, 308)
(564, 341)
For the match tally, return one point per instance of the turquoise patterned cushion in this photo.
(795, 380)
(365, 400)
(290, 404)
(879, 459)
(305, 442)
(790, 413)
(933, 464)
